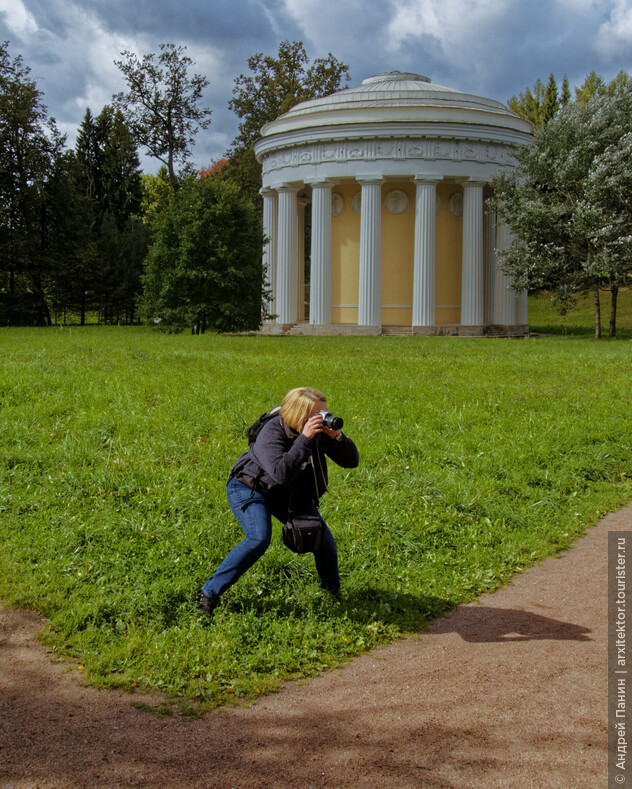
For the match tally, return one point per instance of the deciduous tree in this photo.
(567, 203)
(204, 267)
(163, 104)
(273, 86)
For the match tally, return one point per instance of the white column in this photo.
(300, 241)
(320, 275)
(472, 282)
(287, 263)
(370, 284)
(504, 297)
(270, 229)
(425, 251)
(489, 240)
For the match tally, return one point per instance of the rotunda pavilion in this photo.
(397, 172)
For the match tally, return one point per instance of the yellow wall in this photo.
(398, 239)
(345, 257)
(448, 258)
(398, 252)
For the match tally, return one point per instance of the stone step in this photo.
(396, 331)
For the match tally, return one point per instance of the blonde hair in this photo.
(298, 404)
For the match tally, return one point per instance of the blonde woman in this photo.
(287, 458)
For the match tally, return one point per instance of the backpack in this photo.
(255, 428)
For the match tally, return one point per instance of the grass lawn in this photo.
(580, 319)
(478, 458)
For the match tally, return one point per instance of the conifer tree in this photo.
(111, 181)
(551, 103)
(29, 147)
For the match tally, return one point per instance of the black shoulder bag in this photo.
(303, 533)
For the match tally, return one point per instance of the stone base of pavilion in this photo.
(353, 330)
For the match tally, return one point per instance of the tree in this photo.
(551, 102)
(605, 217)
(204, 267)
(162, 104)
(111, 181)
(29, 147)
(273, 87)
(156, 196)
(68, 239)
(540, 105)
(565, 96)
(569, 230)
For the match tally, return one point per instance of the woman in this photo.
(286, 460)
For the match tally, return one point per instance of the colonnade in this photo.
(486, 297)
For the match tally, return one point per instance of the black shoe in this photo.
(335, 593)
(207, 604)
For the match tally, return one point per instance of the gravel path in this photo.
(506, 692)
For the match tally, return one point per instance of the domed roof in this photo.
(396, 97)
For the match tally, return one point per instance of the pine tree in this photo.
(565, 96)
(112, 184)
(551, 103)
(29, 147)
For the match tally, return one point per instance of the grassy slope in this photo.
(580, 319)
(478, 458)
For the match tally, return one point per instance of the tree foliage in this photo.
(273, 86)
(163, 104)
(276, 84)
(542, 103)
(567, 203)
(204, 267)
(29, 147)
(109, 177)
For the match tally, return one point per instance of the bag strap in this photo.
(252, 491)
(290, 506)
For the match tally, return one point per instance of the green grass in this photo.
(544, 318)
(478, 458)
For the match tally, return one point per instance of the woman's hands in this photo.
(315, 425)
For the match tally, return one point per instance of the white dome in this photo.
(396, 97)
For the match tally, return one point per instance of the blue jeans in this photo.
(256, 522)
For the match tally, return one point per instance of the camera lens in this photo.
(331, 421)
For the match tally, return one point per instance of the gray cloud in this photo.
(495, 48)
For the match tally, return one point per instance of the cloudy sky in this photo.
(493, 48)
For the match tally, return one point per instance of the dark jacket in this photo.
(282, 460)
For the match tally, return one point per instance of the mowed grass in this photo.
(478, 458)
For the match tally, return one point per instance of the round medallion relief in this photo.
(396, 201)
(337, 203)
(356, 202)
(455, 204)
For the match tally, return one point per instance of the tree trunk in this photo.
(597, 315)
(614, 292)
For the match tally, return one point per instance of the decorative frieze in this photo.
(429, 149)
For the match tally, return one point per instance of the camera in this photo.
(331, 421)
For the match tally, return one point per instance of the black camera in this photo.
(331, 421)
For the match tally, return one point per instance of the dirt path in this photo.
(507, 692)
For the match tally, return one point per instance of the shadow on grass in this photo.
(406, 612)
(623, 333)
